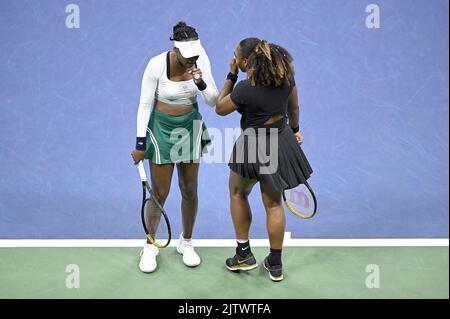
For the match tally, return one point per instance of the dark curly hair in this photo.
(270, 65)
(183, 32)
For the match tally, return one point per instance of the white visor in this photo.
(189, 49)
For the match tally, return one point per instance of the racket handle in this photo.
(141, 169)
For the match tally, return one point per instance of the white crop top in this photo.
(156, 85)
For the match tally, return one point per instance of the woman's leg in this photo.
(276, 224)
(187, 180)
(161, 179)
(241, 213)
(276, 221)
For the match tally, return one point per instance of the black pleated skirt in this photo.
(271, 157)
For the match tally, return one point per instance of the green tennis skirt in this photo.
(175, 139)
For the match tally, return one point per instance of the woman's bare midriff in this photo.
(173, 109)
(273, 119)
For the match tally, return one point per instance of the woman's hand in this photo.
(196, 75)
(137, 156)
(299, 137)
(234, 68)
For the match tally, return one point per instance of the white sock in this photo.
(184, 239)
(242, 241)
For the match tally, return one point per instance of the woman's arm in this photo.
(210, 93)
(224, 103)
(294, 115)
(293, 109)
(148, 89)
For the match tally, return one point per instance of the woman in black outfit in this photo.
(267, 151)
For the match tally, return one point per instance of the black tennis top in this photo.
(257, 104)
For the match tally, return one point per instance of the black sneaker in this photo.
(238, 263)
(275, 272)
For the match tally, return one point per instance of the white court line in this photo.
(380, 242)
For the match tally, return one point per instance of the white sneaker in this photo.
(190, 257)
(148, 258)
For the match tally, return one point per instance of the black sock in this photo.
(275, 257)
(243, 249)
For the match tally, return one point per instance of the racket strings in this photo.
(156, 223)
(301, 201)
(153, 217)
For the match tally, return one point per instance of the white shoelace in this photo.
(188, 245)
(148, 251)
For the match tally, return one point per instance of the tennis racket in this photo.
(154, 218)
(301, 201)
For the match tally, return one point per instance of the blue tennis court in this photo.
(373, 86)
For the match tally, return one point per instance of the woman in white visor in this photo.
(168, 105)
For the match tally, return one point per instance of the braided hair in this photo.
(183, 32)
(247, 46)
(270, 65)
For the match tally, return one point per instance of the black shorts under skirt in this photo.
(281, 166)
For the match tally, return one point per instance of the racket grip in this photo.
(142, 174)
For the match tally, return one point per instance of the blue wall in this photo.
(374, 112)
